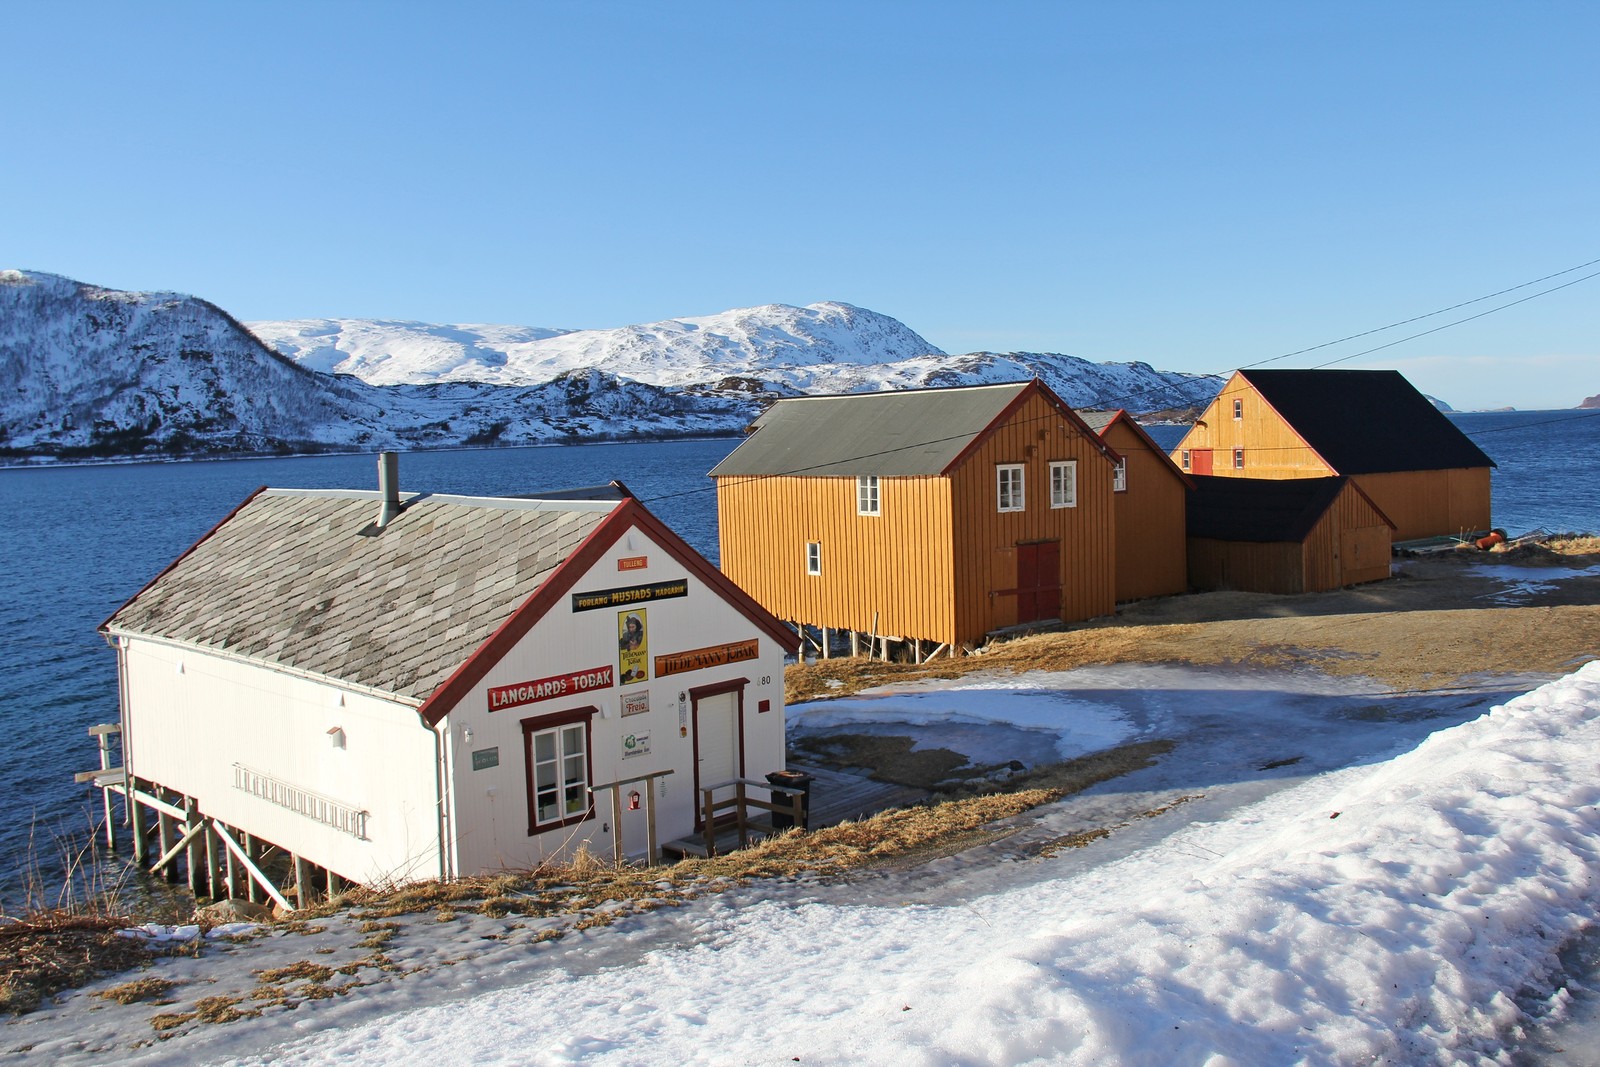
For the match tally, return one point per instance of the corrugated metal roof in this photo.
(1366, 421)
(299, 579)
(906, 432)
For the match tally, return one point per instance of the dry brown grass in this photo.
(137, 990)
(50, 952)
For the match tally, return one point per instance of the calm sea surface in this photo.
(78, 541)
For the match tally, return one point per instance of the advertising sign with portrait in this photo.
(633, 662)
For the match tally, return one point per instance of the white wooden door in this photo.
(716, 745)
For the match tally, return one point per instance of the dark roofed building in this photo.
(1300, 535)
(1371, 425)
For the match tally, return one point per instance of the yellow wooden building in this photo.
(1422, 472)
(1150, 493)
(932, 517)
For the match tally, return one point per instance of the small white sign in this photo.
(635, 703)
(635, 745)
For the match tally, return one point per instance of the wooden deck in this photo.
(836, 797)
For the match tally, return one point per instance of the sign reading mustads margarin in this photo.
(629, 594)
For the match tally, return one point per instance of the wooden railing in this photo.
(740, 804)
(647, 795)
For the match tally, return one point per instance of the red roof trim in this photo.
(1034, 386)
(1256, 391)
(1122, 416)
(628, 514)
(102, 628)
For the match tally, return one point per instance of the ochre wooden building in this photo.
(1371, 425)
(932, 516)
(1151, 494)
(1292, 535)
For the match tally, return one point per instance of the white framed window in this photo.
(1009, 493)
(867, 495)
(1064, 484)
(1186, 459)
(813, 557)
(1119, 476)
(1238, 459)
(557, 751)
(1238, 409)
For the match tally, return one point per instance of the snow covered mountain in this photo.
(88, 371)
(774, 350)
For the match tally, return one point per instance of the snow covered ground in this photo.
(1333, 873)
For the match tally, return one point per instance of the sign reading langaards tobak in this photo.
(700, 658)
(629, 594)
(559, 685)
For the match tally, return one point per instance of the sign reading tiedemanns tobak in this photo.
(713, 656)
(559, 685)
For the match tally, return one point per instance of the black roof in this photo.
(1366, 421)
(1260, 509)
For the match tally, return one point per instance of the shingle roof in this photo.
(1366, 421)
(1098, 420)
(1260, 509)
(298, 579)
(906, 432)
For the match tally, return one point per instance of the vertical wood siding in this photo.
(1446, 503)
(985, 538)
(1271, 448)
(895, 565)
(1152, 556)
(1349, 545)
(939, 562)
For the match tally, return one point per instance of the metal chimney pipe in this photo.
(388, 487)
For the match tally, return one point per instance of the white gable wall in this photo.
(190, 716)
(490, 806)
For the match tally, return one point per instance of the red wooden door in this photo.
(1200, 461)
(1038, 581)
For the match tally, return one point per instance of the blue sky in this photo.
(1198, 186)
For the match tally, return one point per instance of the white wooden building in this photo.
(394, 687)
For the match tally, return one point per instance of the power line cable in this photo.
(1431, 314)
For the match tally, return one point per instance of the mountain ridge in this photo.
(92, 372)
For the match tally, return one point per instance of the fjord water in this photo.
(79, 541)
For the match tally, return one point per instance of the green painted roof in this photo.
(902, 433)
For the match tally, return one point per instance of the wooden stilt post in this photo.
(104, 737)
(855, 644)
(232, 876)
(254, 872)
(164, 841)
(827, 644)
(335, 885)
(650, 818)
(141, 847)
(302, 882)
(251, 856)
(213, 889)
(196, 852)
(616, 825)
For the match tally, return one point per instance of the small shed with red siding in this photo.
(1302, 535)
(929, 516)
